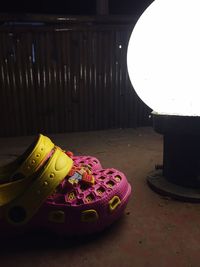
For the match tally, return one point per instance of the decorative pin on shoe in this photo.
(83, 175)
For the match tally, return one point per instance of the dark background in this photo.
(67, 75)
(73, 7)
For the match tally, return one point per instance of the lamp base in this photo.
(179, 175)
(161, 185)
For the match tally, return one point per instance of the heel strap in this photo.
(26, 164)
(41, 150)
(24, 167)
(26, 205)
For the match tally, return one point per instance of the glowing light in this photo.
(164, 57)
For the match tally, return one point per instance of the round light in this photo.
(164, 57)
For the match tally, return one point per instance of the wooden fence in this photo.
(61, 74)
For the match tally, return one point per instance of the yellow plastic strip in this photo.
(36, 157)
(114, 203)
(10, 190)
(89, 216)
(29, 161)
(30, 201)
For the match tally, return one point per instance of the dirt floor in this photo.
(155, 231)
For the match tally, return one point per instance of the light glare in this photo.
(164, 57)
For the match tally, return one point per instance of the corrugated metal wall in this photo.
(66, 74)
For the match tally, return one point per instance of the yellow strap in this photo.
(35, 158)
(27, 204)
(29, 162)
(42, 148)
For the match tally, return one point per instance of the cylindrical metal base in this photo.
(180, 174)
(181, 159)
(181, 153)
(161, 185)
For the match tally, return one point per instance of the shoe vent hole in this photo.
(89, 198)
(84, 187)
(110, 184)
(71, 196)
(110, 172)
(100, 190)
(101, 178)
(118, 178)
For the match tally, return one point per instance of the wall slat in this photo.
(69, 76)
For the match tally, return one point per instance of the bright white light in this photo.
(164, 57)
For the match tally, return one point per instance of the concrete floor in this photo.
(154, 232)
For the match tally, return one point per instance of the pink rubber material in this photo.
(73, 209)
(93, 162)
